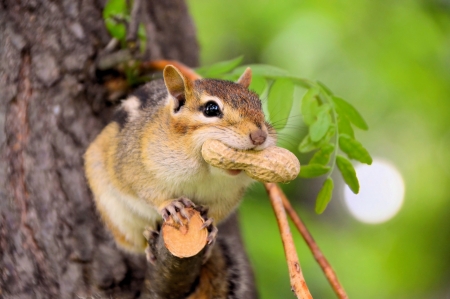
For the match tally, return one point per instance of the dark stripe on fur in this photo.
(151, 94)
(120, 117)
(233, 276)
(142, 94)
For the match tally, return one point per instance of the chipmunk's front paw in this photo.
(178, 205)
(151, 236)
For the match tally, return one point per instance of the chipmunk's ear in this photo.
(177, 85)
(246, 78)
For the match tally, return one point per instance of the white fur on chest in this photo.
(220, 192)
(209, 186)
(215, 186)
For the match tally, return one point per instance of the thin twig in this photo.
(318, 255)
(133, 25)
(111, 46)
(298, 283)
(111, 60)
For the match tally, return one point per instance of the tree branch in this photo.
(172, 277)
(186, 239)
(317, 253)
(133, 25)
(298, 283)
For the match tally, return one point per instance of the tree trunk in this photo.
(52, 243)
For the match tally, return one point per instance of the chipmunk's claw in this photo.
(150, 235)
(178, 205)
(203, 211)
(212, 231)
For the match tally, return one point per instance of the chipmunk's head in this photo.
(216, 109)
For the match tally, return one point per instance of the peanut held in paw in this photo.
(273, 164)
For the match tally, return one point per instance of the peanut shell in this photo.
(273, 164)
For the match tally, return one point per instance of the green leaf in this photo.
(113, 7)
(350, 111)
(323, 155)
(354, 149)
(313, 170)
(325, 88)
(308, 145)
(323, 122)
(116, 9)
(309, 106)
(326, 139)
(263, 70)
(344, 126)
(348, 173)
(324, 196)
(271, 72)
(220, 68)
(258, 85)
(142, 37)
(305, 83)
(281, 96)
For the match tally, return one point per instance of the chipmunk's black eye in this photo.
(211, 109)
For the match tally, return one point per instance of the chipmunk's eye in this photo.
(211, 109)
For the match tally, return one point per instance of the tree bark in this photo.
(52, 243)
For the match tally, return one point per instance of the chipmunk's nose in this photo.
(258, 137)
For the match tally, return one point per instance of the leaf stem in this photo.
(326, 98)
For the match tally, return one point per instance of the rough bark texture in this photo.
(52, 244)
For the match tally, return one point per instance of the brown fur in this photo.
(212, 283)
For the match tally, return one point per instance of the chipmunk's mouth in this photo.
(233, 172)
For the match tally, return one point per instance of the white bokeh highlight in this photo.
(381, 192)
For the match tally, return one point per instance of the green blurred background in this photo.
(391, 60)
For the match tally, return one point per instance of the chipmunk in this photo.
(147, 164)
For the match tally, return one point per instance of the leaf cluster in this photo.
(330, 120)
(117, 15)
